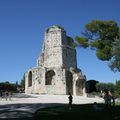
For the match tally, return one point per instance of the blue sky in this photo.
(22, 26)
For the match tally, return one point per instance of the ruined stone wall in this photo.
(56, 71)
(58, 50)
(52, 48)
(56, 86)
(37, 80)
(69, 57)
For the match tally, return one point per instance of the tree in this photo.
(22, 83)
(115, 61)
(105, 87)
(6, 86)
(117, 88)
(91, 86)
(101, 36)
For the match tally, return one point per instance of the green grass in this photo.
(78, 112)
(118, 103)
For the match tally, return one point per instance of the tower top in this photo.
(55, 28)
(58, 50)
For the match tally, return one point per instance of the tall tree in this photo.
(115, 61)
(7, 86)
(100, 36)
(105, 87)
(22, 83)
(117, 88)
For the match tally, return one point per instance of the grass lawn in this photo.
(78, 112)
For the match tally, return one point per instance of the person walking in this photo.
(112, 98)
(107, 98)
(70, 98)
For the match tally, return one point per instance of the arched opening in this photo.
(30, 79)
(48, 77)
(79, 87)
(69, 82)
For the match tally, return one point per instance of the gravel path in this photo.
(22, 106)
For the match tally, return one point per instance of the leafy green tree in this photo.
(7, 86)
(102, 36)
(117, 88)
(115, 61)
(22, 83)
(105, 87)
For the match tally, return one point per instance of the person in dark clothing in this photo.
(1, 94)
(70, 100)
(107, 98)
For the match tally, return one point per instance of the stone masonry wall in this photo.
(56, 71)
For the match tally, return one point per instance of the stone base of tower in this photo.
(57, 81)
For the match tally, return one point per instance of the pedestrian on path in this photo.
(70, 98)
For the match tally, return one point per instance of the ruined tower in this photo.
(56, 72)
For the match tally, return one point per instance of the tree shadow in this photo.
(22, 111)
(81, 111)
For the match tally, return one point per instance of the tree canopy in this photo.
(22, 83)
(102, 36)
(115, 61)
(7, 86)
(105, 87)
(117, 88)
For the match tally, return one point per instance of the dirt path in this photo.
(22, 107)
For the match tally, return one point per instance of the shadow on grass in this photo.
(22, 111)
(82, 112)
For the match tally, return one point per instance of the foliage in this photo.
(91, 86)
(102, 36)
(115, 61)
(7, 86)
(22, 83)
(105, 87)
(83, 42)
(114, 88)
(117, 88)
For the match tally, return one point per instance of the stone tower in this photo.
(56, 72)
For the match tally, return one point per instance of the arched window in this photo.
(48, 77)
(30, 79)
